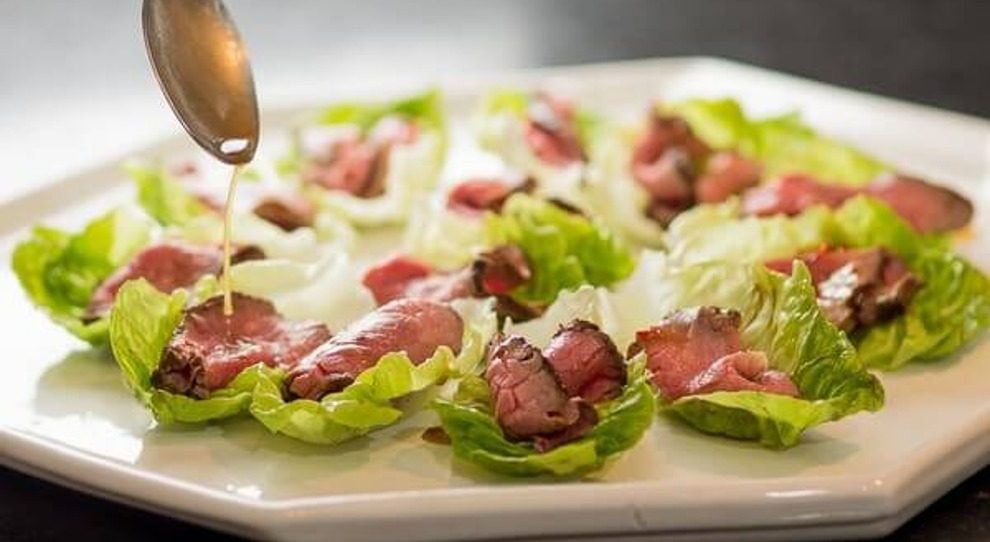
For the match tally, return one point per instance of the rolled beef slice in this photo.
(414, 326)
(529, 401)
(586, 362)
(208, 349)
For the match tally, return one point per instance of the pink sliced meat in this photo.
(586, 362)
(699, 350)
(209, 349)
(167, 266)
(493, 273)
(664, 132)
(742, 371)
(475, 196)
(405, 277)
(391, 278)
(417, 327)
(286, 210)
(726, 174)
(929, 208)
(858, 287)
(678, 170)
(528, 399)
(550, 131)
(351, 166)
(792, 194)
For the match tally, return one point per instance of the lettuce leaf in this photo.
(499, 126)
(59, 271)
(780, 317)
(164, 198)
(412, 170)
(477, 438)
(783, 144)
(564, 250)
(368, 403)
(443, 238)
(141, 323)
(951, 309)
(612, 192)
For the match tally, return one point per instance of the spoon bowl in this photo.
(203, 69)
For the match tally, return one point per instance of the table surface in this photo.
(73, 77)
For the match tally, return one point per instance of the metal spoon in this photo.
(202, 67)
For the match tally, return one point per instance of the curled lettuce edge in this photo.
(951, 309)
(564, 250)
(783, 144)
(59, 271)
(782, 318)
(477, 438)
(142, 322)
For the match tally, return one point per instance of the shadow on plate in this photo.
(88, 383)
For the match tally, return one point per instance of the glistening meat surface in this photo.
(696, 351)
(415, 326)
(208, 349)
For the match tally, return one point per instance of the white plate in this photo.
(65, 415)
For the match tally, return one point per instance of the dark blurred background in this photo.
(74, 79)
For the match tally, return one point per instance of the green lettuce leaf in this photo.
(951, 309)
(59, 271)
(368, 403)
(781, 318)
(164, 198)
(783, 144)
(565, 250)
(141, 323)
(476, 437)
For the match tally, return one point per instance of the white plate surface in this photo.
(65, 414)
